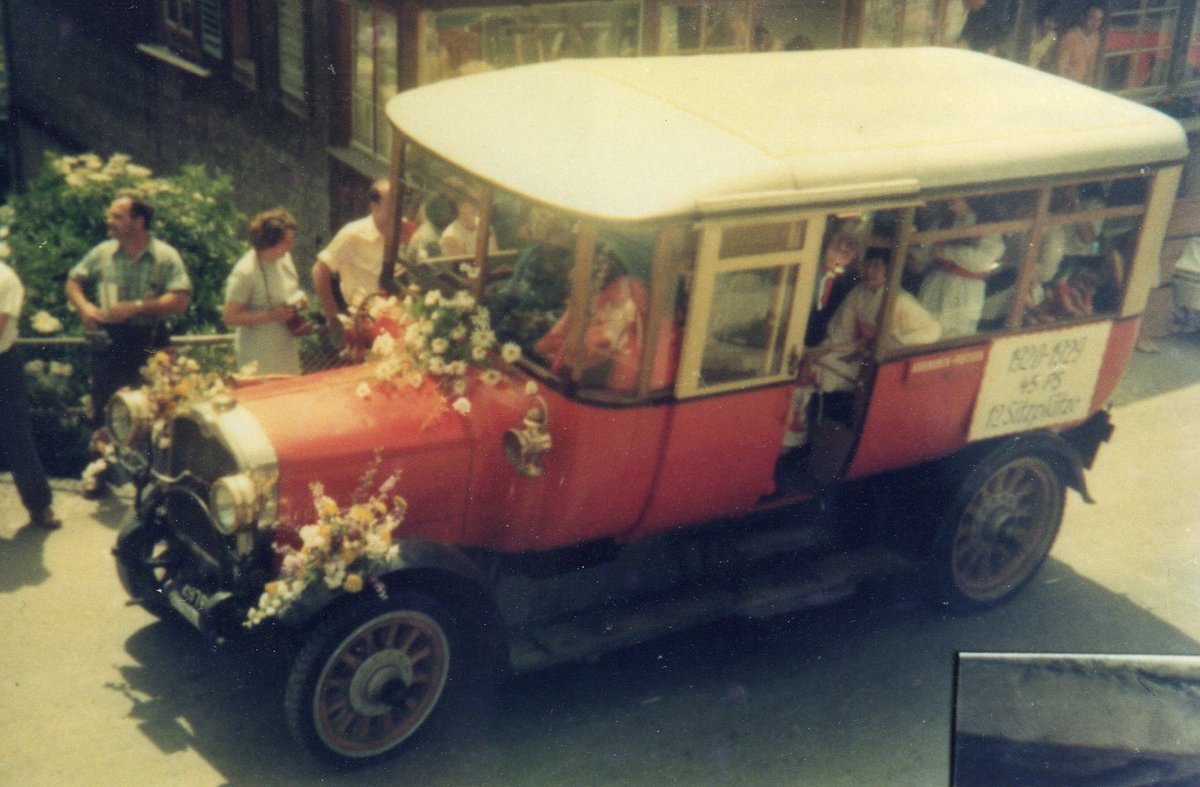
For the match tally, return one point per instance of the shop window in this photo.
(1137, 45)
(292, 64)
(466, 40)
(374, 78)
(686, 28)
(1191, 69)
(888, 23)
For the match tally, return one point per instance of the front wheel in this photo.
(147, 557)
(369, 677)
(999, 530)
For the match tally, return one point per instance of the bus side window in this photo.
(1090, 237)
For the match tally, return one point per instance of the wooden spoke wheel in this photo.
(1006, 516)
(369, 678)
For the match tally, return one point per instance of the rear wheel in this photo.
(370, 677)
(999, 530)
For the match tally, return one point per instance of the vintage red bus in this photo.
(692, 429)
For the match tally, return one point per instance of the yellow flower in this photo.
(162, 357)
(379, 505)
(272, 588)
(327, 507)
(353, 583)
(361, 513)
(348, 556)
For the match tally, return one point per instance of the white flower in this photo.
(510, 352)
(462, 405)
(439, 345)
(459, 333)
(469, 270)
(137, 171)
(335, 575)
(460, 387)
(61, 369)
(456, 368)
(490, 377)
(478, 354)
(415, 379)
(45, 322)
(432, 298)
(384, 344)
(35, 367)
(363, 391)
(531, 388)
(483, 337)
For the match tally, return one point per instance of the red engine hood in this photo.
(322, 430)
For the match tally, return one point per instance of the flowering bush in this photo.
(343, 548)
(60, 217)
(48, 228)
(442, 337)
(60, 408)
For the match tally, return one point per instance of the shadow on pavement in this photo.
(21, 562)
(846, 694)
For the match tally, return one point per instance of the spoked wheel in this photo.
(1004, 522)
(147, 556)
(369, 677)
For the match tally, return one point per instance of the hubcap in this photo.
(381, 683)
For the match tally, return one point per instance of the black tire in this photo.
(145, 559)
(998, 531)
(370, 676)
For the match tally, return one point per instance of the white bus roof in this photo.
(641, 138)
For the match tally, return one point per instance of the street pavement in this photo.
(95, 692)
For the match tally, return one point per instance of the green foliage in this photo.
(61, 216)
(46, 230)
(58, 395)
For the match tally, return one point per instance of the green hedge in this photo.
(48, 228)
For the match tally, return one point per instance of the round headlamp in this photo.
(234, 503)
(129, 416)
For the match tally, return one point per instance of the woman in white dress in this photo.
(263, 296)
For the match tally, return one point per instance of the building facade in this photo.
(288, 95)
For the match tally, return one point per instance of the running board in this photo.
(798, 585)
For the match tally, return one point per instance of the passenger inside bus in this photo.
(839, 274)
(532, 298)
(953, 286)
(835, 366)
(616, 323)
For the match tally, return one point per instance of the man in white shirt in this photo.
(355, 256)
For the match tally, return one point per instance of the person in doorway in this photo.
(16, 436)
(263, 298)
(837, 277)
(137, 281)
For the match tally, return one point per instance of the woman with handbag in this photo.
(263, 298)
